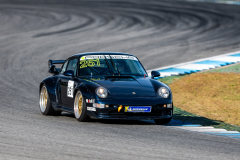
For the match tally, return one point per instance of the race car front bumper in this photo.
(116, 108)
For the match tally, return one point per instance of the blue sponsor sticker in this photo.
(138, 108)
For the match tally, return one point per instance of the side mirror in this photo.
(53, 69)
(155, 74)
(68, 73)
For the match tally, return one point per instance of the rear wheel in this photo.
(45, 103)
(80, 108)
(162, 121)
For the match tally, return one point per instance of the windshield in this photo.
(110, 65)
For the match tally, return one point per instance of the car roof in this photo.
(101, 53)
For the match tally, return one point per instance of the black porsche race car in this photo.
(105, 86)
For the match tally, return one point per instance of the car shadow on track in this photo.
(118, 122)
(178, 119)
(128, 122)
(188, 119)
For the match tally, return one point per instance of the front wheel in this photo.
(80, 108)
(45, 103)
(162, 121)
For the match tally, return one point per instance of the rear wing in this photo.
(51, 62)
(52, 67)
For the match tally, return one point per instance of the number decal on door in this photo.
(70, 88)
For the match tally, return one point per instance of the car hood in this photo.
(128, 87)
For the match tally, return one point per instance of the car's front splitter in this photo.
(127, 117)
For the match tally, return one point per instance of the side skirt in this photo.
(62, 108)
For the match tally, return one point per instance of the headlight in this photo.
(102, 92)
(163, 92)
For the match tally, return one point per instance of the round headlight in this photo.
(163, 92)
(102, 92)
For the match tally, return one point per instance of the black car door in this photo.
(68, 83)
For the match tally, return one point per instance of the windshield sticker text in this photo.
(89, 63)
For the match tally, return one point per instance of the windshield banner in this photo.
(84, 58)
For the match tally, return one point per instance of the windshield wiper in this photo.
(114, 65)
(108, 65)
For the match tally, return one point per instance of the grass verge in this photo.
(214, 95)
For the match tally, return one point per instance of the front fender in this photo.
(86, 93)
(157, 84)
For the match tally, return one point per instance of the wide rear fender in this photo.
(51, 86)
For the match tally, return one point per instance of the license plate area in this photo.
(137, 109)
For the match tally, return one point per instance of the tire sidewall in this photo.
(83, 117)
(48, 106)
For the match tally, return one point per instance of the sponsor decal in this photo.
(126, 108)
(138, 108)
(89, 100)
(94, 57)
(91, 109)
(98, 105)
(123, 57)
(70, 88)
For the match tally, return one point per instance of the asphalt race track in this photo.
(160, 33)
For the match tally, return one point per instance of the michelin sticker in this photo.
(70, 88)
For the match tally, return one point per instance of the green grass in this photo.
(184, 116)
(235, 68)
(170, 79)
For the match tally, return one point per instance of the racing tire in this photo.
(45, 103)
(162, 121)
(80, 108)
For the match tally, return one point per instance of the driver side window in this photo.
(72, 64)
(64, 67)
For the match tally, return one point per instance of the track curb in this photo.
(198, 65)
